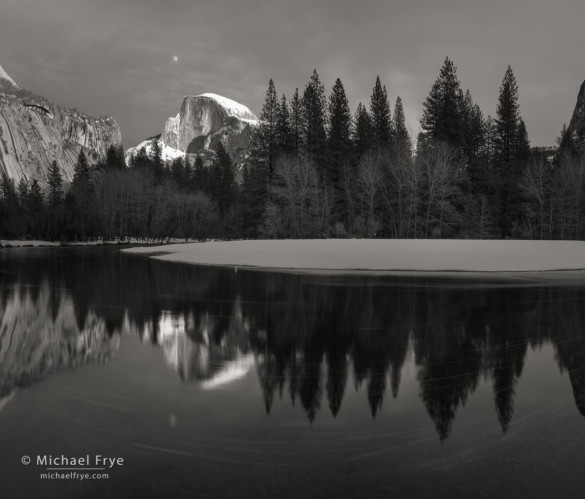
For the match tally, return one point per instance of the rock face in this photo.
(34, 132)
(577, 125)
(202, 122)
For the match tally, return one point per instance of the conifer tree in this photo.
(114, 158)
(523, 152)
(296, 124)
(339, 140)
(402, 142)
(265, 139)
(178, 172)
(472, 127)
(283, 127)
(35, 197)
(315, 119)
(82, 183)
(381, 119)
(508, 160)
(81, 196)
(188, 173)
(443, 109)
(200, 177)
(55, 185)
(22, 194)
(12, 207)
(156, 162)
(222, 179)
(35, 209)
(507, 119)
(362, 137)
(140, 159)
(254, 194)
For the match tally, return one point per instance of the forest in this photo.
(315, 170)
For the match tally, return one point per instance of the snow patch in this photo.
(167, 153)
(382, 254)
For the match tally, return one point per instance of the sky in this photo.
(136, 59)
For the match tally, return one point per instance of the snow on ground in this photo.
(19, 243)
(381, 254)
(13, 243)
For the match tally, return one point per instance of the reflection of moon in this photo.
(175, 58)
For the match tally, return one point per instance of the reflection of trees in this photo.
(567, 325)
(450, 355)
(309, 335)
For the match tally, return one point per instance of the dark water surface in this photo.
(214, 383)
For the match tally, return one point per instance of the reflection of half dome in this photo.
(230, 372)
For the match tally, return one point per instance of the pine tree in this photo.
(35, 197)
(200, 177)
(315, 119)
(115, 158)
(442, 118)
(157, 162)
(188, 175)
(283, 128)
(35, 209)
(222, 179)
(296, 124)
(265, 143)
(508, 161)
(339, 140)
(254, 193)
(81, 196)
(429, 121)
(22, 194)
(140, 159)
(507, 119)
(82, 184)
(362, 137)
(381, 119)
(178, 173)
(12, 207)
(402, 142)
(523, 147)
(55, 185)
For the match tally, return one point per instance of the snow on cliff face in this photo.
(201, 123)
(4, 76)
(232, 107)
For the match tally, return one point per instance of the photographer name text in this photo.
(79, 461)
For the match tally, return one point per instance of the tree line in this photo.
(317, 171)
(314, 169)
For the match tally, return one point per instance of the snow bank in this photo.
(381, 254)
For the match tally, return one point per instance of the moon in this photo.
(175, 58)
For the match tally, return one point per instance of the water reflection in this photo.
(307, 337)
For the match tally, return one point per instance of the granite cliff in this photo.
(202, 122)
(34, 132)
(576, 128)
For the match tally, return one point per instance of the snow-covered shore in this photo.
(428, 255)
(29, 243)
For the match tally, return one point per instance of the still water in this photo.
(218, 382)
